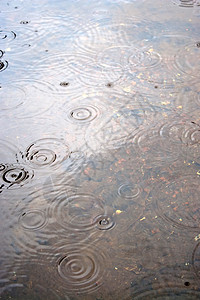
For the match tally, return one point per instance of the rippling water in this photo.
(99, 149)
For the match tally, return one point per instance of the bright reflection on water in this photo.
(99, 149)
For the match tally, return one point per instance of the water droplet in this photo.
(129, 191)
(77, 213)
(16, 176)
(64, 83)
(104, 222)
(24, 22)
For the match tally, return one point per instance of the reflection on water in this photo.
(99, 150)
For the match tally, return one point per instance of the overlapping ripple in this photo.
(187, 58)
(77, 212)
(33, 219)
(9, 92)
(47, 152)
(97, 37)
(15, 176)
(85, 68)
(124, 123)
(186, 133)
(7, 153)
(163, 144)
(129, 57)
(168, 293)
(81, 268)
(26, 98)
(165, 72)
(178, 202)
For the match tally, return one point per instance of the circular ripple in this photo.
(181, 132)
(186, 59)
(155, 150)
(27, 98)
(104, 222)
(3, 65)
(98, 37)
(10, 5)
(33, 219)
(12, 96)
(7, 152)
(90, 106)
(6, 36)
(178, 202)
(46, 152)
(186, 3)
(165, 72)
(169, 293)
(15, 176)
(196, 259)
(186, 134)
(129, 191)
(129, 56)
(91, 73)
(177, 131)
(187, 99)
(83, 114)
(77, 212)
(84, 68)
(123, 124)
(22, 291)
(23, 39)
(81, 269)
(1, 53)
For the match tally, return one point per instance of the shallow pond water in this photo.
(99, 149)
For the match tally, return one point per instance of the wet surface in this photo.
(99, 150)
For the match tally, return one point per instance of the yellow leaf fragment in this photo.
(118, 212)
(197, 237)
(165, 103)
(127, 89)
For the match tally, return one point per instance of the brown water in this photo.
(99, 149)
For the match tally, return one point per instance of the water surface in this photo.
(99, 149)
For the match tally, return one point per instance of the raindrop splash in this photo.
(47, 152)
